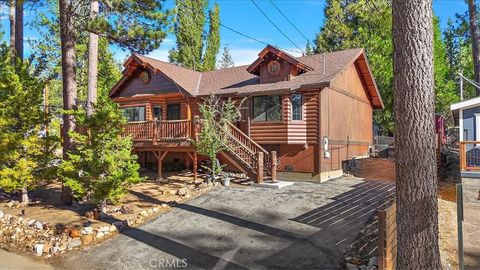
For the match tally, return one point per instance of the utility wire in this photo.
(289, 21)
(236, 31)
(278, 28)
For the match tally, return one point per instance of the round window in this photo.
(274, 67)
(145, 77)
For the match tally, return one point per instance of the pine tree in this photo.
(191, 41)
(226, 61)
(445, 87)
(308, 48)
(102, 166)
(415, 166)
(213, 41)
(335, 30)
(25, 150)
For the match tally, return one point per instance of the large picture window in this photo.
(134, 114)
(297, 106)
(267, 108)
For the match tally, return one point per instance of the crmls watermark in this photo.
(168, 263)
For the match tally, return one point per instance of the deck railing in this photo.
(470, 156)
(159, 130)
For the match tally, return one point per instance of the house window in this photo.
(173, 112)
(267, 108)
(134, 114)
(297, 100)
(157, 112)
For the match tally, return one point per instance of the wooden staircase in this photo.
(249, 157)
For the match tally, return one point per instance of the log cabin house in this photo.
(303, 116)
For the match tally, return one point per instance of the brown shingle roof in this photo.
(238, 81)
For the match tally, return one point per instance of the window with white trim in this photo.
(297, 112)
(134, 114)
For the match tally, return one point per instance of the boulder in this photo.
(351, 266)
(87, 230)
(113, 228)
(104, 229)
(87, 239)
(38, 249)
(182, 192)
(38, 225)
(100, 235)
(74, 243)
(164, 205)
(126, 209)
(74, 233)
(1, 214)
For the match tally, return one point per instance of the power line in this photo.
(238, 32)
(289, 21)
(265, 15)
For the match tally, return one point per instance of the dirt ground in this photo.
(384, 169)
(46, 206)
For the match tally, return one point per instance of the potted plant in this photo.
(226, 180)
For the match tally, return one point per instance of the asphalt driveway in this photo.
(304, 226)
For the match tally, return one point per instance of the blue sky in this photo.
(243, 16)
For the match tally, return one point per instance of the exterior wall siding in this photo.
(346, 120)
(469, 124)
(158, 84)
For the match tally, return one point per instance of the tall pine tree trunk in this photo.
(19, 28)
(472, 11)
(92, 62)
(417, 223)
(12, 31)
(67, 36)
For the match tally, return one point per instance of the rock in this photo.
(87, 230)
(30, 222)
(351, 266)
(89, 215)
(74, 233)
(355, 260)
(363, 266)
(87, 239)
(144, 214)
(104, 229)
(373, 267)
(102, 215)
(7, 217)
(38, 225)
(38, 249)
(173, 191)
(373, 261)
(164, 205)
(1, 214)
(182, 192)
(47, 247)
(74, 243)
(156, 209)
(10, 205)
(113, 228)
(126, 209)
(100, 235)
(119, 224)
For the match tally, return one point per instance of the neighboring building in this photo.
(314, 111)
(466, 114)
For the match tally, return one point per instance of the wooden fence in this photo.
(387, 237)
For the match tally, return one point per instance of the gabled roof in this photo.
(254, 68)
(238, 81)
(186, 79)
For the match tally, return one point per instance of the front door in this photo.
(173, 111)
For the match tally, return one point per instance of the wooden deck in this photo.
(172, 133)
